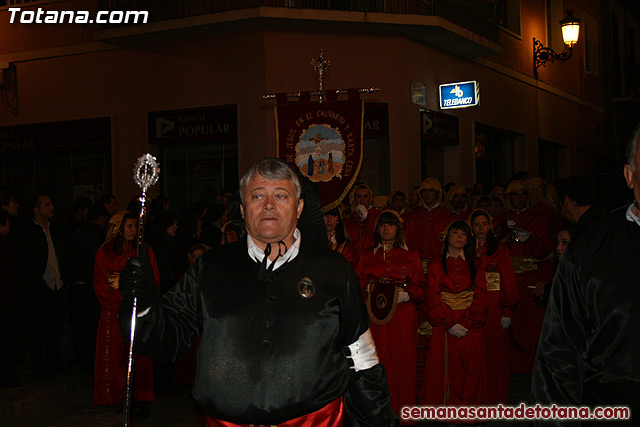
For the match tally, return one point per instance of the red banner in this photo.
(324, 142)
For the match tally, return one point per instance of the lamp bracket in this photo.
(542, 55)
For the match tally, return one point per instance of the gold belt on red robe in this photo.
(458, 301)
(527, 263)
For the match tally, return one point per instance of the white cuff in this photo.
(363, 352)
(144, 312)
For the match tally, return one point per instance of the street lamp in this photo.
(570, 30)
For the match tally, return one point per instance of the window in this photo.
(494, 155)
(190, 169)
(511, 16)
(591, 48)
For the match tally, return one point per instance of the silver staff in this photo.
(145, 174)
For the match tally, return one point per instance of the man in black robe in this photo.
(285, 333)
(575, 201)
(589, 348)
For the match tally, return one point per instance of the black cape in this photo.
(267, 353)
(589, 348)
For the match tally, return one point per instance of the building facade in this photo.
(82, 101)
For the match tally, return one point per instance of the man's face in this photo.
(633, 177)
(566, 206)
(363, 197)
(270, 209)
(459, 201)
(111, 207)
(46, 209)
(519, 199)
(398, 202)
(429, 195)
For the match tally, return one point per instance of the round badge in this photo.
(306, 289)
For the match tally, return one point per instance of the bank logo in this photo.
(459, 95)
(457, 92)
(165, 127)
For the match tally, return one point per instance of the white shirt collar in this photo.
(632, 216)
(461, 255)
(403, 246)
(432, 207)
(257, 254)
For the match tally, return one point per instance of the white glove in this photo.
(458, 330)
(523, 235)
(511, 223)
(362, 211)
(403, 296)
(505, 322)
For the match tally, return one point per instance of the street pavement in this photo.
(66, 401)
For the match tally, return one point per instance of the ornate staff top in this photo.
(146, 172)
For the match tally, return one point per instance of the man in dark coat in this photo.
(48, 276)
(285, 332)
(589, 350)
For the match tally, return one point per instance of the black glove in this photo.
(138, 281)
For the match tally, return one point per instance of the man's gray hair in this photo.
(632, 149)
(270, 168)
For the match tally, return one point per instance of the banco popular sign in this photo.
(459, 95)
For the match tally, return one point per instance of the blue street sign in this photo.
(459, 95)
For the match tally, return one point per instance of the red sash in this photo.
(329, 416)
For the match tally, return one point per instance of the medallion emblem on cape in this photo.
(320, 153)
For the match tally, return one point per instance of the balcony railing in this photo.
(481, 17)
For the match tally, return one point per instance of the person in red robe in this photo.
(423, 228)
(338, 239)
(395, 334)
(112, 350)
(457, 201)
(455, 372)
(526, 233)
(425, 224)
(493, 258)
(397, 201)
(360, 224)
